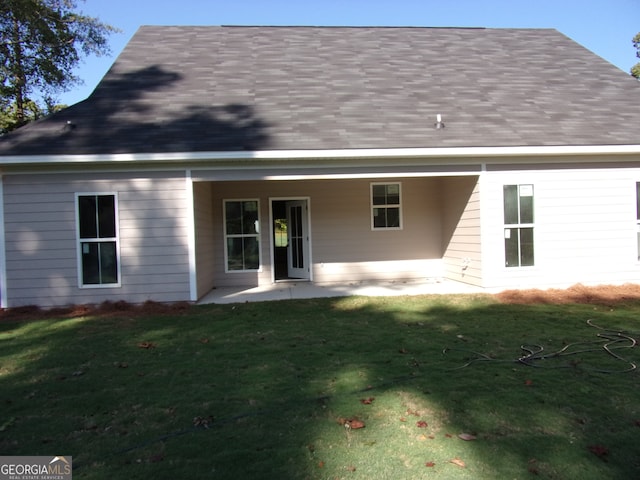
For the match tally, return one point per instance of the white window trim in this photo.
(258, 235)
(518, 226)
(372, 206)
(79, 240)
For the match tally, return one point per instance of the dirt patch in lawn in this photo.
(31, 312)
(596, 295)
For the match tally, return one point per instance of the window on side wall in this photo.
(386, 206)
(242, 235)
(518, 225)
(98, 250)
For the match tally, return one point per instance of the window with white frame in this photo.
(518, 225)
(386, 207)
(638, 217)
(242, 235)
(98, 240)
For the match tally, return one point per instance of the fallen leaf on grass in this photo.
(202, 421)
(367, 401)
(599, 451)
(146, 345)
(467, 436)
(458, 462)
(204, 340)
(430, 464)
(351, 468)
(422, 424)
(353, 423)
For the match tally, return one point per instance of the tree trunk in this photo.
(19, 80)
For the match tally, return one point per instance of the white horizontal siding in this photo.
(41, 244)
(584, 228)
(416, 269)
(205, 240)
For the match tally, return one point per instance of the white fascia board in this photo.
(452, 152)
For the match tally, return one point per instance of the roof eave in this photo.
(307, 155)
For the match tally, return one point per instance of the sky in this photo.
(605, 27)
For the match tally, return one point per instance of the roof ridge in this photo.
(354, 26)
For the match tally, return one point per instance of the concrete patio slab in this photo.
(297, 290)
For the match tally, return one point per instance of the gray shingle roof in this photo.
(181, 89)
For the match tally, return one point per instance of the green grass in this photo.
(263, 390)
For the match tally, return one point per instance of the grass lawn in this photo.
(354, 388)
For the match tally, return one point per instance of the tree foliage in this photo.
(635, 70)
(41, 42)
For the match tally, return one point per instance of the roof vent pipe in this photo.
(439, 123)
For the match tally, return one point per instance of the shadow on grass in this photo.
(275, 390)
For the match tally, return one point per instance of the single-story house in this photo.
(232, 156)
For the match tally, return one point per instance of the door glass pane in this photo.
(300, 253)
(297, 237)
(526, 247)
(280, 230)
(297, 258)
(510, 193)
(297, 220)
(295, 246)
(87, 217)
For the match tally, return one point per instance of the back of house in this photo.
(245, 156)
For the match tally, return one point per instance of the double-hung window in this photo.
(518, 225)
(386, 210)
(97, 240)
(242, 235)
